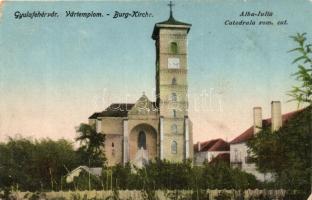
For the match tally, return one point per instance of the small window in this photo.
(174, 147)
(174, 129)
(174, 81)
(174, 47)
(235, 155)
(174, 114)
(174, 97)
(142, 140)
(113, 149)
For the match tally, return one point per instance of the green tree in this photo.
(15, 159)
(92, 144)
(222, 176)
(303, 92)
(50, 162)
(165, 175)
(27, 164)
(287, 152)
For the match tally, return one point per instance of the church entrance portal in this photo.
(143, 144)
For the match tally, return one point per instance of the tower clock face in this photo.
(173, 63)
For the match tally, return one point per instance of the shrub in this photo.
(223, 196)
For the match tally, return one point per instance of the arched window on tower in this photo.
(174, 128)
(174, 147)
(142, 140)
(173, 96)
(113, 149)
(174, 113)
(174, 47)
(174, 81)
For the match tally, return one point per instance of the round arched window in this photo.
(174, 47)
(174, 81)
(142, 140)
(174, 113)
(174, 147)
(174, 96)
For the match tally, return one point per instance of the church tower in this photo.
(175, 140)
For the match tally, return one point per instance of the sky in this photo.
(54, 73)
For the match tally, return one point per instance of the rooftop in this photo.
(121, 109)
(213, 145)
(249, 133)
(170, 22)
(114, 110)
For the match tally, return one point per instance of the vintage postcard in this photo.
(207, 99)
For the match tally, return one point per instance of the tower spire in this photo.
(170, 6)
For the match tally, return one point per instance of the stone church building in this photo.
(147, 129)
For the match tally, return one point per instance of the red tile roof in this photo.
(213, 145)
(245, 136)
(205, 146)
(249, 133)
(220, 145)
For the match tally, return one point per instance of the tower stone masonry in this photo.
(171, 86)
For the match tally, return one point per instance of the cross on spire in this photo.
(170, 6)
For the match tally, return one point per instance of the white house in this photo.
(211, 150)
(94, 171)
(239, 153)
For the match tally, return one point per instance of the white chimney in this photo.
(257, 117)
(276, 115)
(198, 146)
